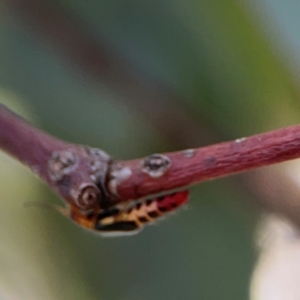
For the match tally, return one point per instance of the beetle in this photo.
(129, 217)
(125, 218)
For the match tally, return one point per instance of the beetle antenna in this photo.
(63, 210)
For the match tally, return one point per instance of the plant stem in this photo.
(206, 163)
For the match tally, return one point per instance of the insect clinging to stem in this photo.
(126, 218)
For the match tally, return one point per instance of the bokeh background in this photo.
(134, 78)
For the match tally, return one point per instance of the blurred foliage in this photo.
(218, 59)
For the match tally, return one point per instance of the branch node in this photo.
(61, 163)
(87, 196)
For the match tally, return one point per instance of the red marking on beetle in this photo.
(172, 201)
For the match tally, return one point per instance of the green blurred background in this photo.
(173, 75)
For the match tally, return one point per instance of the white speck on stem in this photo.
(240, 140)
(155, 165)
(117, 176)
(189, 152)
